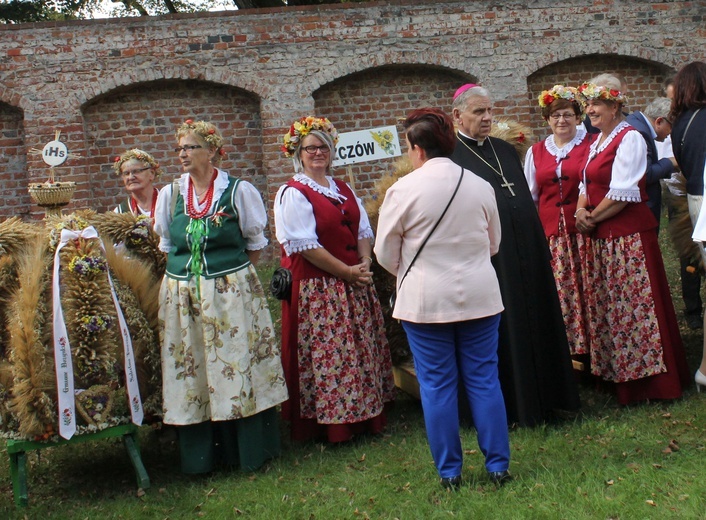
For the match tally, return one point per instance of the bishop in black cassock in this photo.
(535, 366)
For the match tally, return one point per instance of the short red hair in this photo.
(432, 130)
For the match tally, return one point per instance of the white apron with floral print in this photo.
(220, 357)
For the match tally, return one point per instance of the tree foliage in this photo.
(23, 11)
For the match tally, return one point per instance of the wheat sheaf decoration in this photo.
(92, 328)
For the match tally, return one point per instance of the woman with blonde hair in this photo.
(635, 342)
(221, 368)
(335, 354)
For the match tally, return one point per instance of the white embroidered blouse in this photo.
(294, 217)
(629, 165)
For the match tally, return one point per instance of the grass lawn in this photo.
(609, 462)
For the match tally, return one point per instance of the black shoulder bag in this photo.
(393, 296)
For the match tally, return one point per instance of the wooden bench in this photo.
(18, 459)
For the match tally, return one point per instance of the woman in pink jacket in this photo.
(448, 295)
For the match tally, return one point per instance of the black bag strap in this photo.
(432, 229)
(683, 137)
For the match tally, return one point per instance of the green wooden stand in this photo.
(18, 459)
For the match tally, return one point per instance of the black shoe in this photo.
(452, 483)
(694, 321)
(500, 478)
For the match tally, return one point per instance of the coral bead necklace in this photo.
(190, 210)
(134, 208)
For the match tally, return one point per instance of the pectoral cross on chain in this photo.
(500, 172)
(508, 185)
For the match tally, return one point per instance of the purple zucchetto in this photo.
(464, 88)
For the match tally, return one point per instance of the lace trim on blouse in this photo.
(561, 153)
(624, 195)
(331, 192)
(297, 246)
(595, 150)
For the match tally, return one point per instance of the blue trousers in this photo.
(444, 354)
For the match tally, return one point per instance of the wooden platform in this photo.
(406, 379)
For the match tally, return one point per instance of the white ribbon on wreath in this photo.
(62, 349)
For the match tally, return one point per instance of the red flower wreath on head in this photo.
(548, 99)
(614, 93)
(521, 138)
(189, 121)
(211, 131)
(117, 158)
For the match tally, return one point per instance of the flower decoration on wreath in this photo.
(302, 127)
(138, 155)
(547, 97)
(206, 131)
(591, 92)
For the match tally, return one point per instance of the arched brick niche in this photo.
(146, 116)
(13, 163)
(644, 80)
(380, 97)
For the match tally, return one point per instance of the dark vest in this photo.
(223, 248)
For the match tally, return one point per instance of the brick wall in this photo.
(109, 85)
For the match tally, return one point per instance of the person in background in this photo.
(221, 368)
(334, 350)
(681, 229)
(139, 170)
(654, 126)
(688, 115)
(635, 343)
(553, 170)
(450, 303)
(535, 366)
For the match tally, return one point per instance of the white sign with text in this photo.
(367, 145)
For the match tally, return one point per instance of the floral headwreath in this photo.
(206, 131)
(139, 155)
(302, 127)
(591, 91)
(547, 97)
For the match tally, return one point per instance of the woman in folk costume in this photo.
(221, 368)
(335, 354)
(138, 170)
(553, 170)
(633, 331)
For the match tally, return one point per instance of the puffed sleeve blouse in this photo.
(629, 165)
(251, 211)
(295, 223)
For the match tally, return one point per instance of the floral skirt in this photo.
(343, 362)
(568, 251)
(220, 357)
(624, 331)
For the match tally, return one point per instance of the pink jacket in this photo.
(452, 279)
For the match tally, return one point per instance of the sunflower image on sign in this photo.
(385, 141)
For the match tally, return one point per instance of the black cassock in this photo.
(535, 367)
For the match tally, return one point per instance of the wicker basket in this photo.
(52, 194)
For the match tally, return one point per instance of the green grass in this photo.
(609, 462)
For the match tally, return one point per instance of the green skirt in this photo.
(248, 442)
